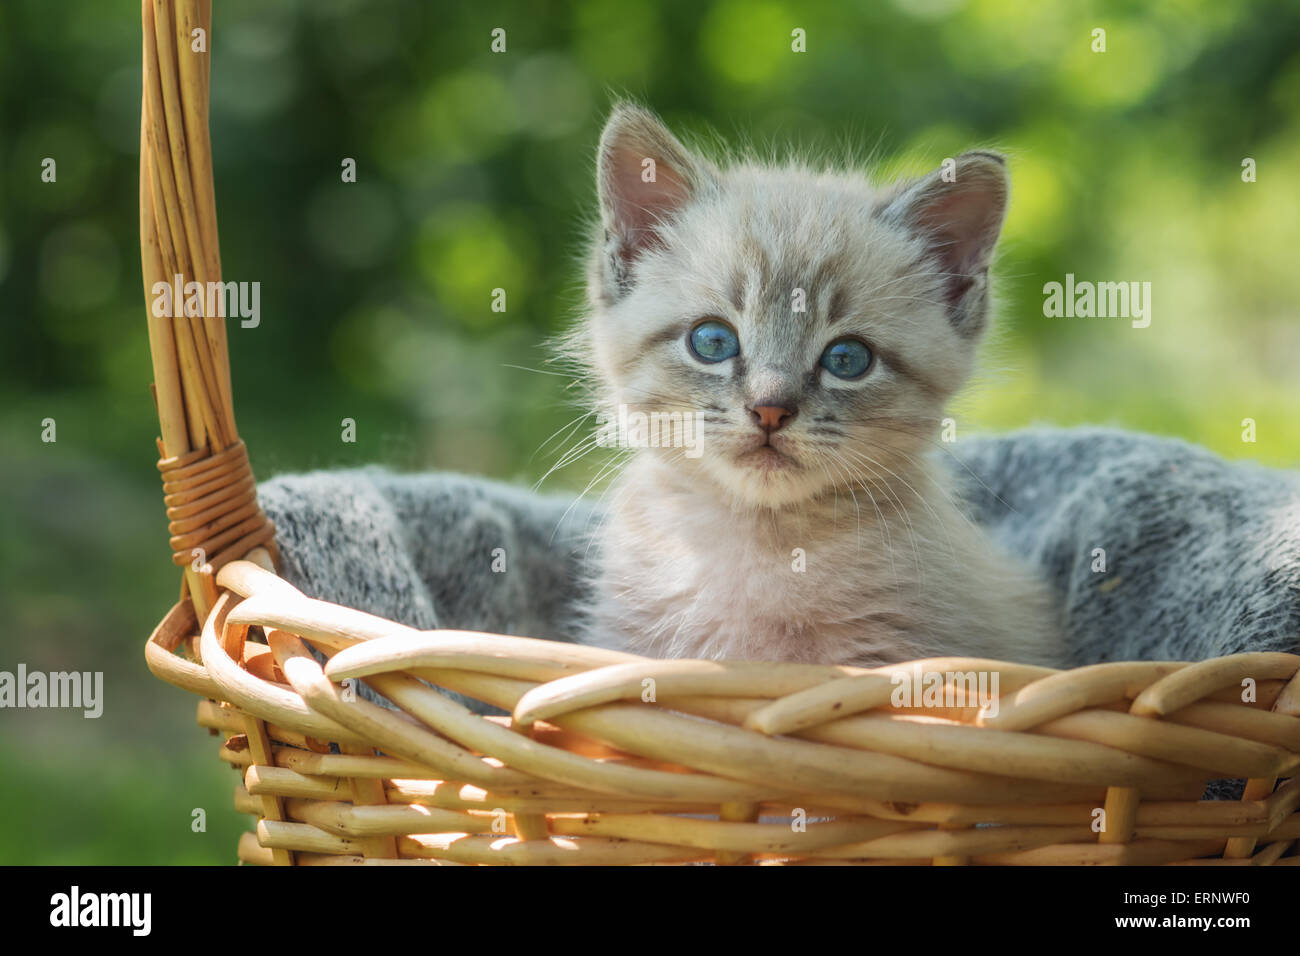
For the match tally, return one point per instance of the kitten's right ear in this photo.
(959, 212)
(644, 176)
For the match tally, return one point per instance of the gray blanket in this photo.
(1157, 548)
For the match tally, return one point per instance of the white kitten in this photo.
(814, 325)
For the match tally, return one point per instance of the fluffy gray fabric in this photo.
(1202, 556)
(421, 549)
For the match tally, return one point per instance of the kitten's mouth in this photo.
(767, 457)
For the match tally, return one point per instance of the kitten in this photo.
(813, 326)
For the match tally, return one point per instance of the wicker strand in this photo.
(210, 493)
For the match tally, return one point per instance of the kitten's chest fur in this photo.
(837, 581)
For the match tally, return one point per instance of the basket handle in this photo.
(208, 485)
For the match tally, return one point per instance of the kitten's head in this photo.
(815, 323)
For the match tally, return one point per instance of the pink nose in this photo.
(771, 418)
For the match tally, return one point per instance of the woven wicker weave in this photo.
(612, 758)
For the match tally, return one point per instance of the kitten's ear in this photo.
(644, 175)
(959, 211)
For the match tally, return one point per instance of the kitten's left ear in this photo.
(959, 211)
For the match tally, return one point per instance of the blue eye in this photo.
(714, 341)
(846, 358)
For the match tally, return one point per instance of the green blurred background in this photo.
(474, 172)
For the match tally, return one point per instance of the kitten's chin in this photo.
(766, 477)
(765, 459)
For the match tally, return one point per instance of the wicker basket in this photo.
(613, 758)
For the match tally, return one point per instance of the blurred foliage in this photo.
(474, 174)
